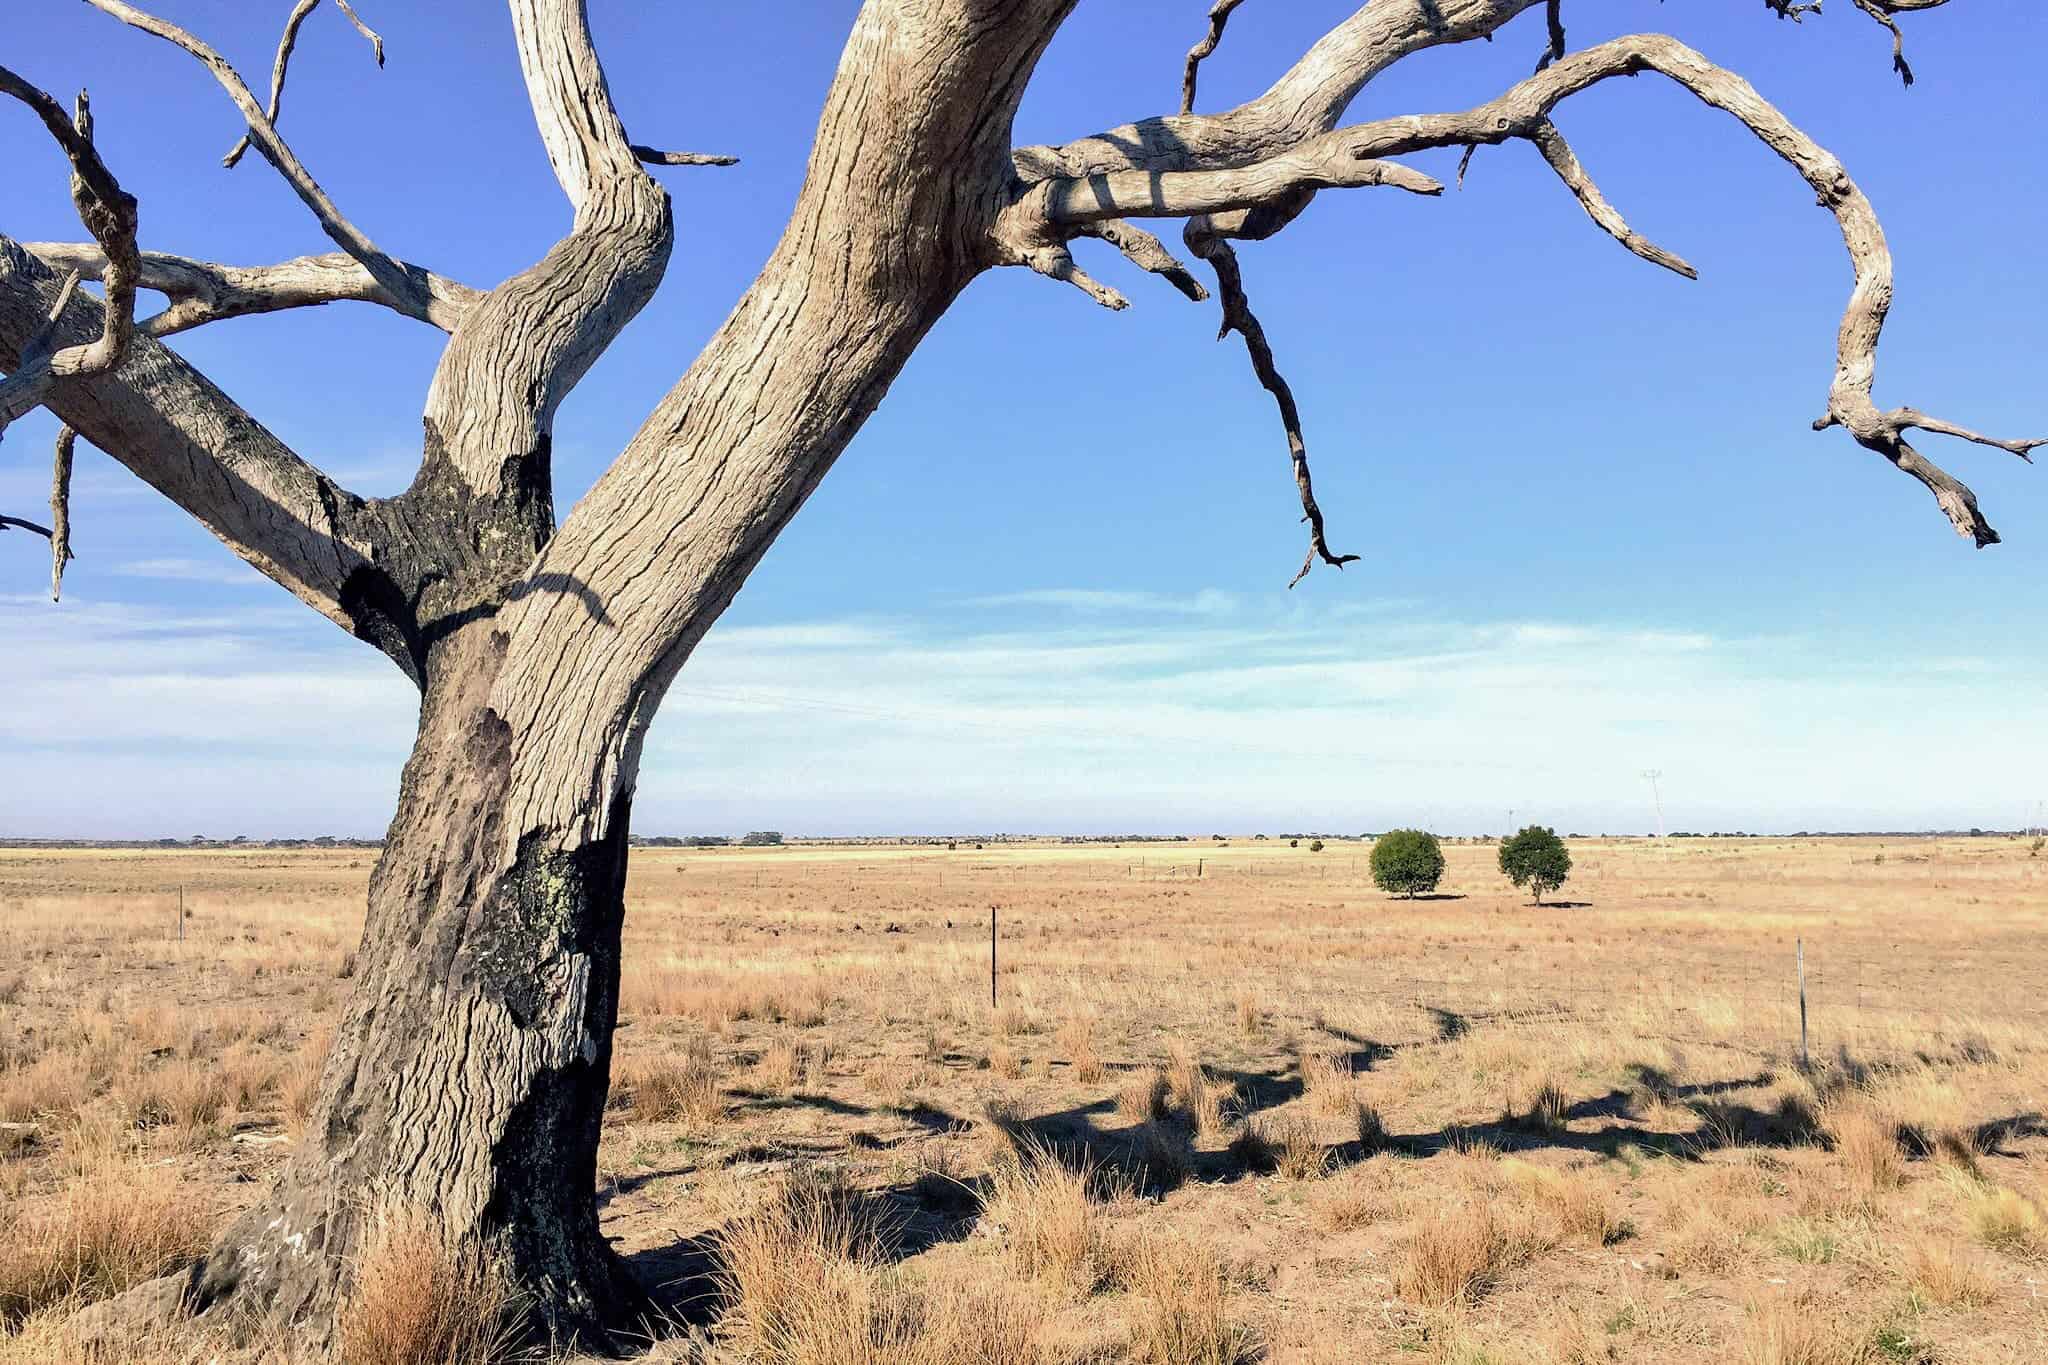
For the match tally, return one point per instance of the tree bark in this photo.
(470, 1068)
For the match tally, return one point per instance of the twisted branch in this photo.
(1206, 242)
(109, 213)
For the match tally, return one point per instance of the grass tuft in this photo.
(416, 1301)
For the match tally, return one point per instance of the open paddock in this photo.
(1231, 1102)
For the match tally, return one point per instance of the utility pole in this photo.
(1652, 775)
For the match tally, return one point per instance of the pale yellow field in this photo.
(1456, 1129)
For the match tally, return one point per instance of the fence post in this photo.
(1804, 1063)
(991, 957)
(181, 912)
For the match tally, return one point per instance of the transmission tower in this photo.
(1652, 775)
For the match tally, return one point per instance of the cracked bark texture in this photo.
(469, 1071)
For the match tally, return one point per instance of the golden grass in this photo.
(1950, 1275)
(1202, 1102)
(1796, 1333)
(1145, 1096)
(187, 1095)
(302, 1080)
(414, 1301)
(1661, 1011)
(1356, 1198)
(2008, 1221)
(1077, 1043)
(789, 1260)
(1459, 1251)
(1576, 1199)
(1043, 1212)
(1183, 1315)
(121, 1223)
(678, 1088)
(1327, 1081)
(803, 1280)
(1866, 1142)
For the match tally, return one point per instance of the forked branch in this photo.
(205, 291)
(1523, 112)
(285, 44)
(400, 282)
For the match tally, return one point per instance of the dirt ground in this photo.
(1455, 1129)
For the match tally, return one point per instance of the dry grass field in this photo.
(1260, 1113)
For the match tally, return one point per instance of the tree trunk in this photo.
(469, 1070)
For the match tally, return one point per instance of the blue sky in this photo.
(1045, 588)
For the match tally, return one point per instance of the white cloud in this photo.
(268, 720)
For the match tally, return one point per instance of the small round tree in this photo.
(1407, 861)
(1536, 858)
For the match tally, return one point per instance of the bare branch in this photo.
(109, 213)
(1183, 194)
(1913, 417)
(375, 38)
(1238, 317)
(278, 67)
(1056, 262)
(1147, 252)
(285, 44)
(1522, 111)
(204, 291)
(1310, 98)
(1559, 154)
(1219, 15)
(652, 157)
(1553, 17)
(60, 510)
(182, 436)
(1882, 11)
(1901, 420)
(417, 300)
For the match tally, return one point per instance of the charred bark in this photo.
(469, 1071)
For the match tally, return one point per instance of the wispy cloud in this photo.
(1207, 602)
(1087, 719)
(232, 573)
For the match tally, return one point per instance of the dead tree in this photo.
(470, 1068)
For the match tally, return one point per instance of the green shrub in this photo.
(1537, 859)
(1407, 862)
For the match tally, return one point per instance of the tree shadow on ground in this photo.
(1153, 1156)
